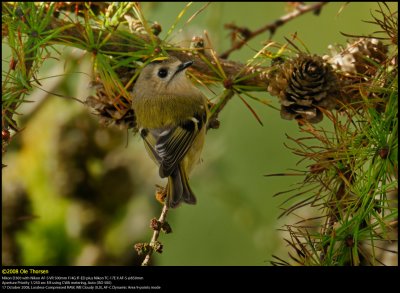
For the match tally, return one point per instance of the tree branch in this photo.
(119, 43)
(156, 233)
(248, 35)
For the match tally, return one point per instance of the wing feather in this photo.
(173, 146)
(168, 146)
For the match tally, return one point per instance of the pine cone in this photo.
(111, 111)
(358, 63)
(359, 56)
(303, 85)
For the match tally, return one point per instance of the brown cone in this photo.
(303, 85)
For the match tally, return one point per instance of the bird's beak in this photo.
(184, 65)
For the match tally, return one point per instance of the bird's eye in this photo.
(162, 72)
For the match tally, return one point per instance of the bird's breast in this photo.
(165, 111)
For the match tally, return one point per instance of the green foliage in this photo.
(352, 172)
(351, 160)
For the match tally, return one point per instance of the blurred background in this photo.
(78, 193)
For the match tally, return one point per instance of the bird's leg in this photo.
(161, 193)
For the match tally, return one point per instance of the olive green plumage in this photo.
(171, 114)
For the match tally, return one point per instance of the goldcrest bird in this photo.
(171, 114)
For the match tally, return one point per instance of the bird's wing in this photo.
(149, 142)
(168, 146)
(173, 144)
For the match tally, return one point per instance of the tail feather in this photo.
(178, 189)
(174, 189)
(188, 195)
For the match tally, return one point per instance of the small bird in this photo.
(171, 114)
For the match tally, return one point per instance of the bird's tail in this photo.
(178, 189)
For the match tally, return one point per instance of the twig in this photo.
(248, 35)
(156, 233)
(120, 44)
